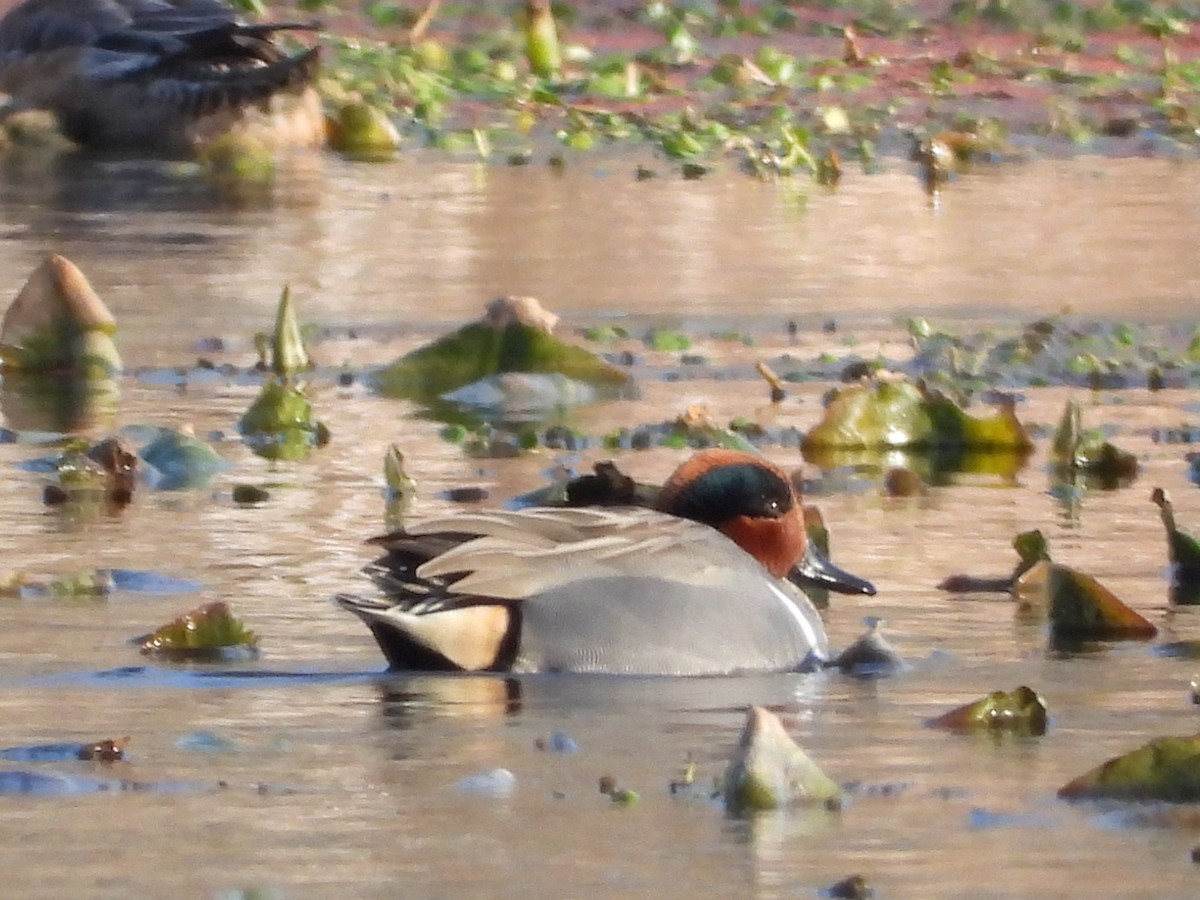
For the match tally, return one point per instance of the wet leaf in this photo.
(1022, 710)
(870, 655)
(769, 771)
(288, 354)
(892, 414)
(1078, 451)
(239, 165)
(514, 336)
(206, 633)
(1079, 607)
(542, 50)
(103, 751)
(1166, 769)
(57, 323)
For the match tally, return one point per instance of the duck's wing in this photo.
(509, 556)
(113, 39)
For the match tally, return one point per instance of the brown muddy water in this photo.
(308, 773)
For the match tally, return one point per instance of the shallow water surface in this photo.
(310, 773)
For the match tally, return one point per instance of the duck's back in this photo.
(160, 75)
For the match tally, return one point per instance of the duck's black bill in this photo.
(815, 571)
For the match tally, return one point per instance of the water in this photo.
(309, 773)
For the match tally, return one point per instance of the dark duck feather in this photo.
(159, 76)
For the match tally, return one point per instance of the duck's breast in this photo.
(647, 625)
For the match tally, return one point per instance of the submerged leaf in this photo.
(769, 771)
(204, 633)
(180, 460)
(1022, 710)
(1165, 769)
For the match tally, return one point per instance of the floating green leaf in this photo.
(1166, 769)
(207, 632)
(1022, 710)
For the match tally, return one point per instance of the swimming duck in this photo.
(158, 76)
(701, 585)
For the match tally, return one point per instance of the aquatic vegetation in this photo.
(694, 428)
(280, 423)
(107, 750)
(870, 655)
(208, 633)
(238, 165)
(1079, 607)
(1166, 769)
(515, 335)
(361, 131)
(1032, 548)
(768, 770)
(93, 476)
(1183, 551)
(86, 584)
(288, 353)
(58, 323)
(179, 460)
(1022, 710)
(1086, 453)
(885, 414)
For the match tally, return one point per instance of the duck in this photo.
(159, 76)
(707, 582)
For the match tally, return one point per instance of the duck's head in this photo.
(751, 501)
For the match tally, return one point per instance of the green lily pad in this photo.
(1166, 769)
(514, 336)
(57, 323)
(1021, 710)
(209, 632)
(769, 771)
